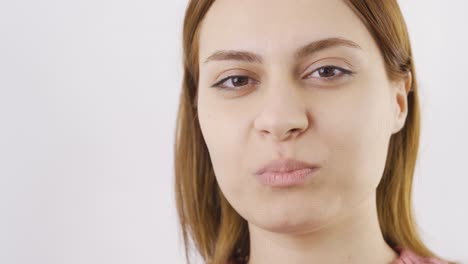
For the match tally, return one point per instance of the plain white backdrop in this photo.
(88, 99)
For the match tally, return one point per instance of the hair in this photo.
(207, 220)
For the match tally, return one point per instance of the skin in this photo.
(285, 108)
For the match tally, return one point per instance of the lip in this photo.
(285, 165)
(284, 173)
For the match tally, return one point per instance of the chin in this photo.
(289, 223)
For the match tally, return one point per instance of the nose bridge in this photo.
(283, 110)
(282, 96)
(280, 85)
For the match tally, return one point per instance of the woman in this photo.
(297, 133)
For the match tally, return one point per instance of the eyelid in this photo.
(223, 80)
(343, 70)
(330, 61)
(237, 72)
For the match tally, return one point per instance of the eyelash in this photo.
(328, 79)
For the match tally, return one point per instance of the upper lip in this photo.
(285, 165)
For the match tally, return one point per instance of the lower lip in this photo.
(285, 179)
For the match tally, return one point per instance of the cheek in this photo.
(356, 131)
(222, 130)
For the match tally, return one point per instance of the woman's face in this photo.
(331, 105)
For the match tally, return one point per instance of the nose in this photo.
(283, 115)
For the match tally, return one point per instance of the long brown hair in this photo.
(209, 223)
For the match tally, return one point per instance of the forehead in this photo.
(277, 27)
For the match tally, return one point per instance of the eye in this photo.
(330, 72)
(234, 82)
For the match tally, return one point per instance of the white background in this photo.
(88, 99)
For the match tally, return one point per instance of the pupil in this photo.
(326, 72)
(235, 80)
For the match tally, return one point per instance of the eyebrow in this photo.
(313, 47)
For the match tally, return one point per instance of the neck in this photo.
(355, 238)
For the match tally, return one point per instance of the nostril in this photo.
(295, 130)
